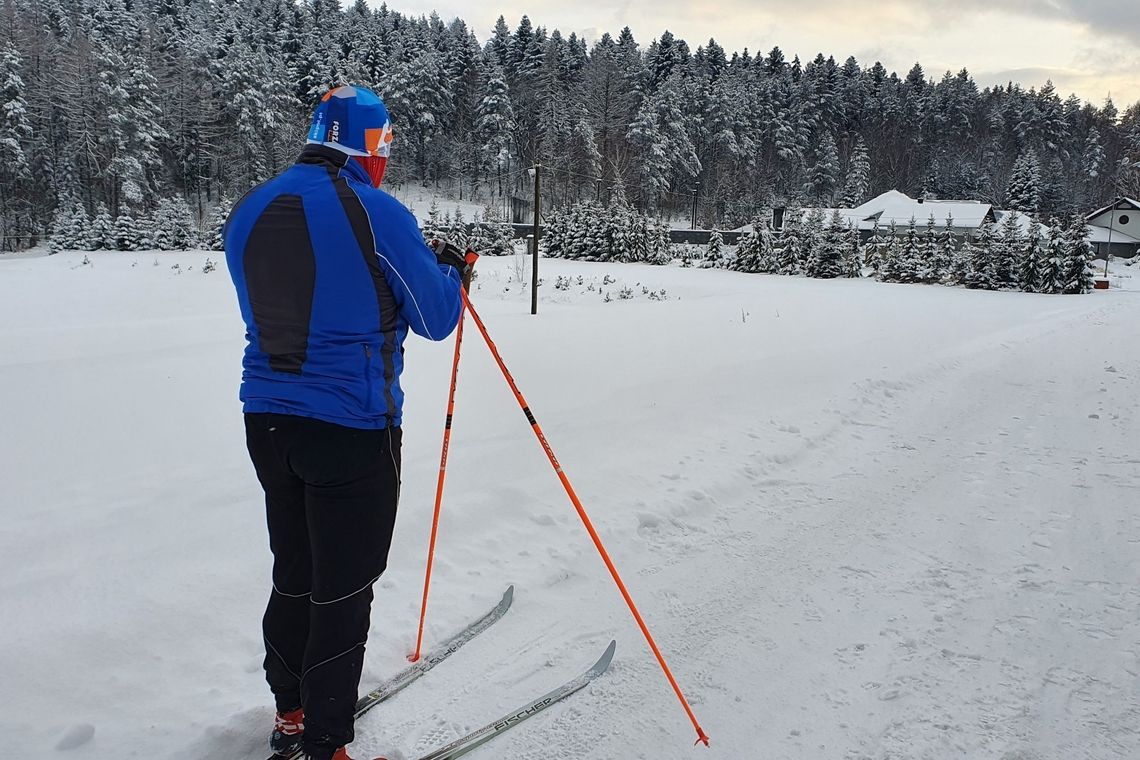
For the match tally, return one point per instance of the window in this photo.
(1124, 218)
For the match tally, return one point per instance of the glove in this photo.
(463, 262)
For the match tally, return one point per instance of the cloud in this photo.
(1082, 46)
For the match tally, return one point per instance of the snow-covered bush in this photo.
(616, 232)
(174, 228)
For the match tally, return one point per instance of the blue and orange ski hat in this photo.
(353, 120)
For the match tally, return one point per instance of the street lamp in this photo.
(1112, 210)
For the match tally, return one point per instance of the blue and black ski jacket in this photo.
(330, 275)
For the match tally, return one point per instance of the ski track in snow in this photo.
(864, 522)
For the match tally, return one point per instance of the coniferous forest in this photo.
(118, 111)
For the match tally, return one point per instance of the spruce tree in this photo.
(102, 231)
(1024, 190)
(748, 251)
(714, 251)
(1008, 247)
(1079, 275)
(947, 253)
(981, 272)
(216, 223)
(873, 250)
(174, 228)
(1054, 254)
(790, 254)
(15, 133)
(823, 179)
(830, 249)
(910, 257)
(126, 232)
(890, 264)
(964, 259)
(852, 252)
(928, 269)
(858, 175)
(1029, 274)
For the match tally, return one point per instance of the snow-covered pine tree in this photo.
(964, 258)
(458, 232)
(216, 222)
(852, 251)
(174, 228)
(102, 231)
(1053, 255)
(71, 230)
(790, 250)
(858, 175)
(947, 252)
(927, 270)
(823, 178)
(829, 249)
(1093, 163)
(126, 232)
(1079, 274)
(748, 251)
(1008, 246)
(981, 272)
(1029, 274)
(890, 256)
(15, 132)
(814, 239)
(434, 227)
(873, 250)
(714, 251)
(910, 257)
(1024, 190)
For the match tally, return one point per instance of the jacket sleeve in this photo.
(426, 291)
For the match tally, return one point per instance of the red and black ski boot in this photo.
(288, 730)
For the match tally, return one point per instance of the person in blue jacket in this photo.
(331, 273)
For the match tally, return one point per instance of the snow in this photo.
(418, 198)
(862, 520)
(898, 207)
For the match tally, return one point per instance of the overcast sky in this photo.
(1090, 47)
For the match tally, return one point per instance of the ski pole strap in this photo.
(702, 738)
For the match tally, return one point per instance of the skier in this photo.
(331, 273)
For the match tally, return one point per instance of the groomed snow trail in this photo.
(864, 521)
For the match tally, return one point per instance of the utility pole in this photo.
(696, 195)
(537, 173)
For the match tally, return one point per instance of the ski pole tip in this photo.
(414, 657)
(702, 737)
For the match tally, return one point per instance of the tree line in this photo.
(123, 104)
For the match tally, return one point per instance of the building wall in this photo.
(1123, 220)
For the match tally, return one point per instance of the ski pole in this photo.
(470, 257)
(702, 738)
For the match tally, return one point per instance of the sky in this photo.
(1087, 47)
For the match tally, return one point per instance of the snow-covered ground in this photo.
(863, 520)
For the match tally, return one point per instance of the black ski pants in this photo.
(330, 499)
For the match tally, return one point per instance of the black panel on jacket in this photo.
(280, 276)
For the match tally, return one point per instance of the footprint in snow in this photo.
(76, 736)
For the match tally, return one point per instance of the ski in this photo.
(481, 736)
(415, 671)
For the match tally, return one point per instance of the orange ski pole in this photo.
(702, 738)
(415, 657)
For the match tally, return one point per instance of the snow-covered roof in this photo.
(1117, 204)
(1100, 235)
(900, 208)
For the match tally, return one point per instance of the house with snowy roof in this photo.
(1118, 222)
(966, 217)
(893, 206)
